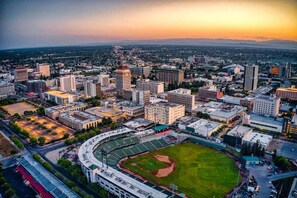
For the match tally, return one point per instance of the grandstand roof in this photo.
(54, 186)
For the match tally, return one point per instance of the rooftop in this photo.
(239, 131)
(291, 89)
(204, 126)
(58, 94)
(66, 106)
(262, 138)
(45, 178)
(265, 119)
(79, 116)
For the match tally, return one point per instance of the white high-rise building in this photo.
(267, 105)
(67, 83)
(251, 77)
(43, 69)
(103, 79)
(141, 97)
(92, 89)
(164, 113)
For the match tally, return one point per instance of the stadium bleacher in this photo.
(125, 147)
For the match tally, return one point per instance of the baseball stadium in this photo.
(129, 163)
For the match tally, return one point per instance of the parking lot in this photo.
(261, 175)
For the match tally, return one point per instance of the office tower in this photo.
(155, 87)
(67, 83)
(251, 77)
(141, 71)
(164, 113)
(92, 89)
(141, 97)
(36, 86)
(267, 105)
(44, 69)
(6, 89)
(103, 79)
(171, 76)
(20, 74)
(183, 97)
(123, 79)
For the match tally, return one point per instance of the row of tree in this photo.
(255, 149)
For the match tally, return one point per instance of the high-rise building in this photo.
(141, 71)
(92, 89)
(20, 74)
(103, 79)
(67, 83)
(164, 113)
(43, 69)
(251, 77)
(171, 76)
(155, 87)
(141, 97)
(36, 86)
(6, 89)
(183, 97)
(287, 93)
(267, 105)
(123, 79)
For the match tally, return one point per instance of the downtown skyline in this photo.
(38, 23)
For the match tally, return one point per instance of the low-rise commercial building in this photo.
(287, 93)
(263, 122)
(79, 120)
(114, 113)
(54, 112)
(210, 92)
(203, 127)
(241, 134)
(60, 97)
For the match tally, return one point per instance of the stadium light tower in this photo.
(173, 188)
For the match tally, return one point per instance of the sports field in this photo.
(198, 171)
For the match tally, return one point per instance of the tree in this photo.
(40, 111)
(66, 135)
(33, 140)
(113, 125)
(41, 140)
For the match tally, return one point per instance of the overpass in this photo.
(282, 176)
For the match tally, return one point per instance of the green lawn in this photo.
(200, 172)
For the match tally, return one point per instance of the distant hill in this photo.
(279, 44)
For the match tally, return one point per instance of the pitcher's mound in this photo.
(164, 172)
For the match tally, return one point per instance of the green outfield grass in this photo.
(200, 171)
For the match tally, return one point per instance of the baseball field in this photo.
(197, 171)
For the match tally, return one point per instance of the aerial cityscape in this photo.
(148, 99)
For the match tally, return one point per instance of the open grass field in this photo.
(19, 108)
(6, 147)
(43, 126)
(199, 172)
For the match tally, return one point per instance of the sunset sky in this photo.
(30, 23)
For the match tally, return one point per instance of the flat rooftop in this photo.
(265, 119)
(204, 126)
(65, 107)
(79, 116)
(239, 131)
(138, 122)
(262, 138)
(291, 89)
(59, 94)
(45, 178)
